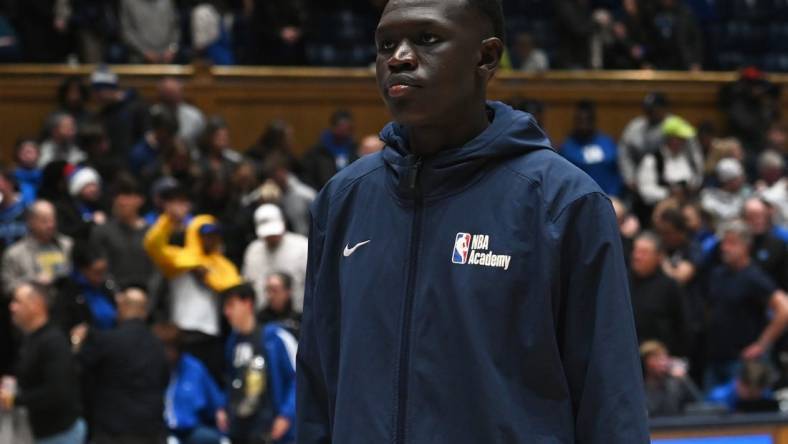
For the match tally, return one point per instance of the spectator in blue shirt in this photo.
(261, 370)
(156, 142)
(27, 172)
(592, 151)
(194, 403)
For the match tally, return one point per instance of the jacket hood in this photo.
(511, 133)
(221, 273)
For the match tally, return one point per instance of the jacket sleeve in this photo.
(596, 330)
(215, 397)
(156, 244)
(312, 405)
(648, 181)
(282, 370)
(12, 272)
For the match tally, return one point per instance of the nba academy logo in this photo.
(475, 250)
(462, 243)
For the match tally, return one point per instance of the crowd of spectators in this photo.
(702, 214)
(129, 226)
(173, 262)
(563, 34)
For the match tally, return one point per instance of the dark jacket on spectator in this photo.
(128, 374)
(42, 43)
(77, 302)
(267, 21)
(74, 219)
(124, 123)
(675, 41)
(128, 261)
(771, 254)
(661, 311)
(319, 164)
(573, 27)
(48, 383)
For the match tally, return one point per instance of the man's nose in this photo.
(404, 58)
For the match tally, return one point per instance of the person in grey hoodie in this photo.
(150, 29)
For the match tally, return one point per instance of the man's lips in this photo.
(399, 88)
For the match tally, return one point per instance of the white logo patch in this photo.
(474, 249)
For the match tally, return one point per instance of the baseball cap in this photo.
(728, 169)
(269, 221)
(103, 77)
(675, 126)
(210, 229)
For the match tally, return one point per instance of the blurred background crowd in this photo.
(542, 34)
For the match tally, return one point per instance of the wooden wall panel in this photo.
(250, 97)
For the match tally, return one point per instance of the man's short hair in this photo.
(242, 291)
(586, 106)
(340, 115)
(84, 255)
(650, 347)
(161, 118)
(770, 159)
(493, 11)
(675, 218)
(39, 290)
(124, 185)
(287, 280)
(737, 227)
(755, 375)
(651, 237)
(34, 208)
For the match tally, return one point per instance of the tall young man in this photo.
(466, 285)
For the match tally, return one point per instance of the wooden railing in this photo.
(249, 97)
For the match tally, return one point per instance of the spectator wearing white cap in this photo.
(726, 201)
(82, 208)
(275, 250)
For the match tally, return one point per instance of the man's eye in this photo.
(386, 45)
(428, 39)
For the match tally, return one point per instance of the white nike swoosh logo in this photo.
(349, 251)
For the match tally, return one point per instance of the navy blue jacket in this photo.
(490, 304)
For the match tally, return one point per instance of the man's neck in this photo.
(41, 241)
(741, 264)
(429, 140)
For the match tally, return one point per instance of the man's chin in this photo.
(413, 116)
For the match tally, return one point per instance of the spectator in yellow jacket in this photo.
(196, 272)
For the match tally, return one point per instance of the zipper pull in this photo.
(413, 174)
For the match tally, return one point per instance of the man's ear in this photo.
(491, 53)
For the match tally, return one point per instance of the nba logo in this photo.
(461, 245)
